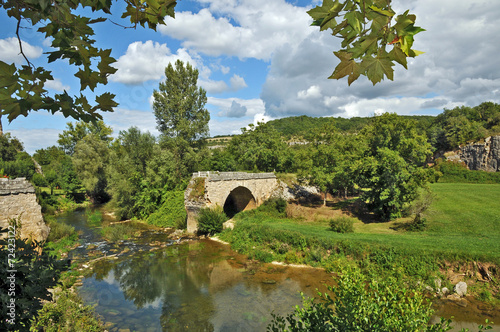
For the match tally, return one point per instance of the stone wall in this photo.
(482, 156)
(18, 201)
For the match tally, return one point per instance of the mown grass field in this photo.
(463, 223)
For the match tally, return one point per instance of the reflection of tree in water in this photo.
(147, 277)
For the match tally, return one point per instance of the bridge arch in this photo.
(234, 191)
(239, 199)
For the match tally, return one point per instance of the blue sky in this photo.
(261, 60)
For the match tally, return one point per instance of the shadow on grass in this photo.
(355, 207)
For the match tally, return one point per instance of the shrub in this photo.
(59, 230)
(210, 220)
(342, 224)
(361, 304)
(172, 212)
(275, 205)
(39, 180)
(118, 232)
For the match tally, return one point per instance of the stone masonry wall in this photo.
(482, 156)
(18, 201)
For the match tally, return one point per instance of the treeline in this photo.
(445, 132)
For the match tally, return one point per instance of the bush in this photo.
(172, 212)
(118, 232)
(210, 220)
(39, 180)
(362, 304)
(275, 205)
(342, 224)
(59, 230)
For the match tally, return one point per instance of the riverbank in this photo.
(439, 260)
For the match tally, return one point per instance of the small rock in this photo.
(429, 289)
(445, 291)
(453, 297)
(461, 288)
(437, 283)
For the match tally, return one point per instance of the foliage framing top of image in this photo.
(23, 88)
(366, 29)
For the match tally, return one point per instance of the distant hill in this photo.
(300, 125)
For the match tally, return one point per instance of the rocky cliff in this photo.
(18, 201)
(482, 156)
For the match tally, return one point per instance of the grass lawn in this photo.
(463, 223)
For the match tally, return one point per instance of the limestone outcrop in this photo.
(482, 156)
(18, 201)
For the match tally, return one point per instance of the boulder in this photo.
(461, 288)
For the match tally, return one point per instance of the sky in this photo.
(260, 60)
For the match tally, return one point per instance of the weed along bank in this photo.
(233, 191)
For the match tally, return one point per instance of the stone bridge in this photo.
(234, 191)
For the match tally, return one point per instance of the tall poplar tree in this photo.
(179, 105)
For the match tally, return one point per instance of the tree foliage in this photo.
(367, 30)
(23, 88)
(35, 271)
(179, 104)
(76, 132)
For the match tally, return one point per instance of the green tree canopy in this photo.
(179, 105)
(75, 133)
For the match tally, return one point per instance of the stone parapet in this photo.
(230, 176)
(15, 186)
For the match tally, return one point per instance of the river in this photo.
(155, 284)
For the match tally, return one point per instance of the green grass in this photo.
(463, 224)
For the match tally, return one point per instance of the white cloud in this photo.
(10, 51)
(147, 61)
(259, 28)
(57, 85)
(252, 106)
(36, 138)
(459, 67)
(237, 83)
(122, 119)
(215, 87)
(313, 91)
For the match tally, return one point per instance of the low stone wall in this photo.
(18, 201)
(482, 156)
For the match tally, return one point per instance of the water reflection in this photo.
(198, 286)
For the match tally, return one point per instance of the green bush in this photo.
(67, 314)
(274, 206)
(361, 303)
(342, 224)
(39, 180)
(59, 230)
(210, 220)
(118, 232)
(172, 212)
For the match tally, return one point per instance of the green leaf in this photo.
(388, 13)
(376, 68)
(347, 66)
(399, 56)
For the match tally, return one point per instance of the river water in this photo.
(201, 285)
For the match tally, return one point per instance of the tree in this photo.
(260, 148)
(75, 133)
(392, 166)
(367, 30)
(23, 88)
(90, 160)
(179, 105)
